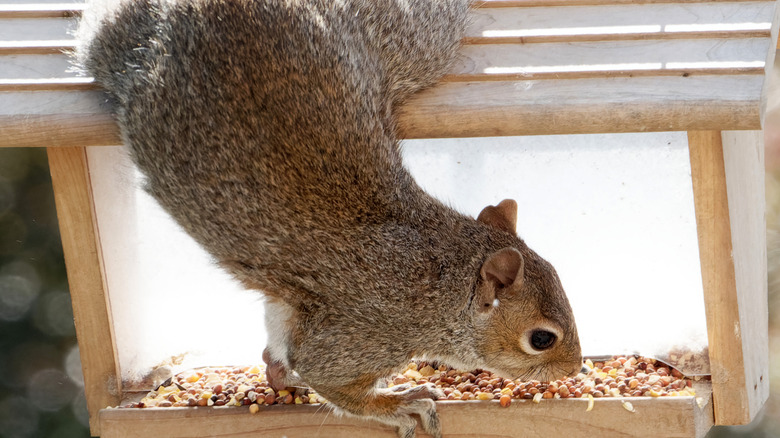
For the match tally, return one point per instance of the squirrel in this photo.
(267, 129)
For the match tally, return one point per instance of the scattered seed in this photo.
(621, 376)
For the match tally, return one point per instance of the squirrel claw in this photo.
(417, 400)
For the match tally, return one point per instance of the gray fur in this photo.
(266, 129)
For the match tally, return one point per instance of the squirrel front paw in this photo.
(277, 375)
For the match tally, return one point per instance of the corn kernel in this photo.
(413, 374)
(192, 378)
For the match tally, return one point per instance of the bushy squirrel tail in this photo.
(112, 53)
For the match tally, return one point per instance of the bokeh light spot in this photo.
(17, 294)
(73, 366)
(54, 315)
(50, 390)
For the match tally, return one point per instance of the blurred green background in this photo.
(41, 386)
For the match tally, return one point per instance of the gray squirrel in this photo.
(267, 129)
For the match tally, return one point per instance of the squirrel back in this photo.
(271, 119)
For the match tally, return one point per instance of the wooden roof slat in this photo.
(36, 29)
(562, 18)
(647, 57)
(40, 10)
(546, 3)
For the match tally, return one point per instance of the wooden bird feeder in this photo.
(528, 67)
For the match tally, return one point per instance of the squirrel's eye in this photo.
(542, 339)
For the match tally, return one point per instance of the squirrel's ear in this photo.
(502, 216)
(502, 269)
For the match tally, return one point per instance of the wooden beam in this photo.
(728, 186)
(84, 263)
(59, 130)
(653, 417)
(581, 106)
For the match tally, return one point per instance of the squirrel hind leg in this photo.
(392, 407)
(419, 400)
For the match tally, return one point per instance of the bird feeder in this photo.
(695, 70)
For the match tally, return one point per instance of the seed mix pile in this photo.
(620, 376)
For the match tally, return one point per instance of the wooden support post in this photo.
(84, 263)
(727, 170)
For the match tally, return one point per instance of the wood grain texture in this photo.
(59, 130)
(642, 104)
(561, 19)
(770, 58)
(727, 174)
(667, 417)
(59, 118)
(519, 107)
(40, 10)
(743, 156)
(45, 47)
(83, 260)
(547, 3)
(43, 85)
(30, 30)
(51, 66)
(597, 59)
